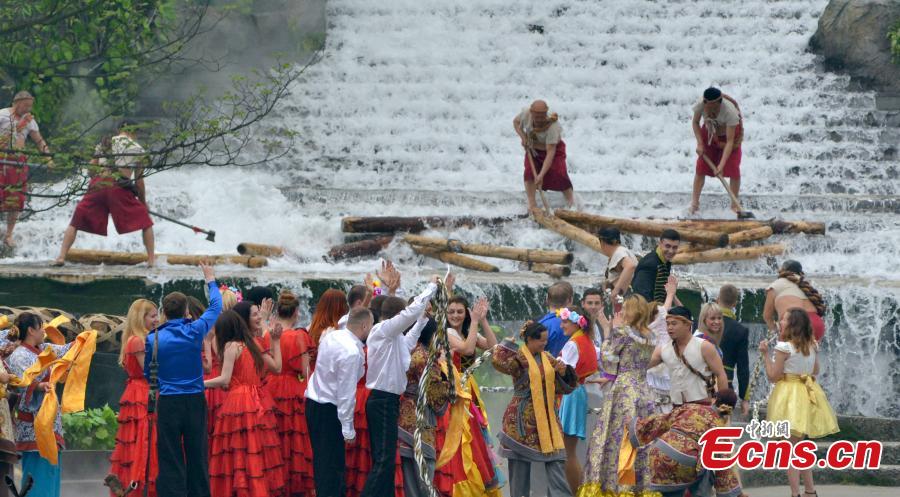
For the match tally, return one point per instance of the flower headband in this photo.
(568, 315)
(237, 293)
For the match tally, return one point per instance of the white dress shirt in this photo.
(388, 350)
(340, 364)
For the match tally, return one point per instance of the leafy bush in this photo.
(894, 36)
(91, 429)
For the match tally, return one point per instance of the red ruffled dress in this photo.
(129, 459)
(246, 454)
(358, 456)
(287, 390)
(214, 396)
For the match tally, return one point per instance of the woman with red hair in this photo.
(332, 305)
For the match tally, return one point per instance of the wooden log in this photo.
(808, 227)
(393, 224)
(456, 259)
(646, 228)
(567, 230)
(719, 225)
(498, 251)
(360, 248)
(750, 235)
(554, 270)
(105, 257)
(247, 248)
(690, 247)
(729, 254)
(253, 262)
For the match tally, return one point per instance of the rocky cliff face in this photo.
(852, 35)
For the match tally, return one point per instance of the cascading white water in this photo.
(410, 112)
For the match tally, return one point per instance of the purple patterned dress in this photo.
(627, 354)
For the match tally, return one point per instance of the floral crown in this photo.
(569, 315)
(237, 293)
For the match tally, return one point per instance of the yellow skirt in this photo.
(801, 401)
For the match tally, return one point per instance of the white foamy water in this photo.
(410, 112)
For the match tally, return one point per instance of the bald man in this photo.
(541, 136)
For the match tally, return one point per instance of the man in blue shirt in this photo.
(559, 296)
(182, 444)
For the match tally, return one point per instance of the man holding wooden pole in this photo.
(545, 152)
(118, 192)
(719, 138)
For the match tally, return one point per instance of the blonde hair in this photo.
(709, 309)
(229, 299)
(639, 314)
(134, 324)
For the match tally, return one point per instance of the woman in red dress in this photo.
(246, 454)
(212, 363)
(288, 389)
(133, 446)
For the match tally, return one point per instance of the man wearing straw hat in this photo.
(16, 125)
(545, 152)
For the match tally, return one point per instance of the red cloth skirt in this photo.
(214, 398)
(246, 451)
(13, 184)
(557, 177)
(105, 198)
(714, 152)
(454, 471)
(129, 459)
(290, 415)
(358, 456)
(818, 325)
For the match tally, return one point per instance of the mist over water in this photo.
(410, 112)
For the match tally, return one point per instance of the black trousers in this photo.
(327, 449)
(182, 446)
(382, 415)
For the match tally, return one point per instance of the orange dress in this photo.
(246, 451)
(129, 459)
(287, 390)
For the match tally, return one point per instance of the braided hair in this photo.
(794, 274)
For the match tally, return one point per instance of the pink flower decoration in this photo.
(582, 322)
(564, 313)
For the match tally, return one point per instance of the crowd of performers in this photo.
(251, 403)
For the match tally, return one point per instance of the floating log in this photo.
(251, 261)
(690, 247)
(105, 257)
(457, 259)
(565, 229)
(247, 248)
(554, 270)
(498, 251)
(646, 228)
(719, 225)
(360, 248)
(393, 224)
(729, 254)
(750, 235)
(808, 227)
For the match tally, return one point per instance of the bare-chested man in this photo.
(16, 125)
(115, 191)
(541, 136)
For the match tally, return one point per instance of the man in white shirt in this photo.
(620, 265)
(117, 192)
(388, 355)
(719, 138)
(331, 399)
(16, 125)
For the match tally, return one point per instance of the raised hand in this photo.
(369, 281)
(764, 347)
(479, 312)
(276, 332)
(450, 281)
(265, 309)
(390, 276)
(619, 319)
(671, 285)
(208, 273)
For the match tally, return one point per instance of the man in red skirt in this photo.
(16, 125)
(541, 136)
(719, 138)
(115, 192)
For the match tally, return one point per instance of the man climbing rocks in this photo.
(719, 138)
(118, 192)
(16, 125)
(541, 136)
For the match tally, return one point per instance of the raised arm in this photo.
(396, 325)
(412, 336)
(625, 277)
(202, 326)
(232, 350)
(769, 313)
(489, 339)
(273, 361)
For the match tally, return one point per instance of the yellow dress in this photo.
(798, 399)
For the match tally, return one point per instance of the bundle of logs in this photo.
(702, 240)
(251, 255)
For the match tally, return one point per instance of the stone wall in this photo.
(852, 36)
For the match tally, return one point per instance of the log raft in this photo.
(646, 228)
(132, 258)
(497, 251)
(567, 230)
(456, 259)
(729, 254)
(395, 224)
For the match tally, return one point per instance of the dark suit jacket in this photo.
(735, 355)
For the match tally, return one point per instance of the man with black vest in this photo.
(654, 269)
(735, 357)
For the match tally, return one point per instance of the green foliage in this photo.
(91, 429)
(894, 36)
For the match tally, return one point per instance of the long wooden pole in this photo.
(646, 228)
(393, 224)
(750, 235)
(742, 214)
(567, 230)
(456, 259)
(729, 254)
(192, 260)
(498, 251)
(105, 257)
